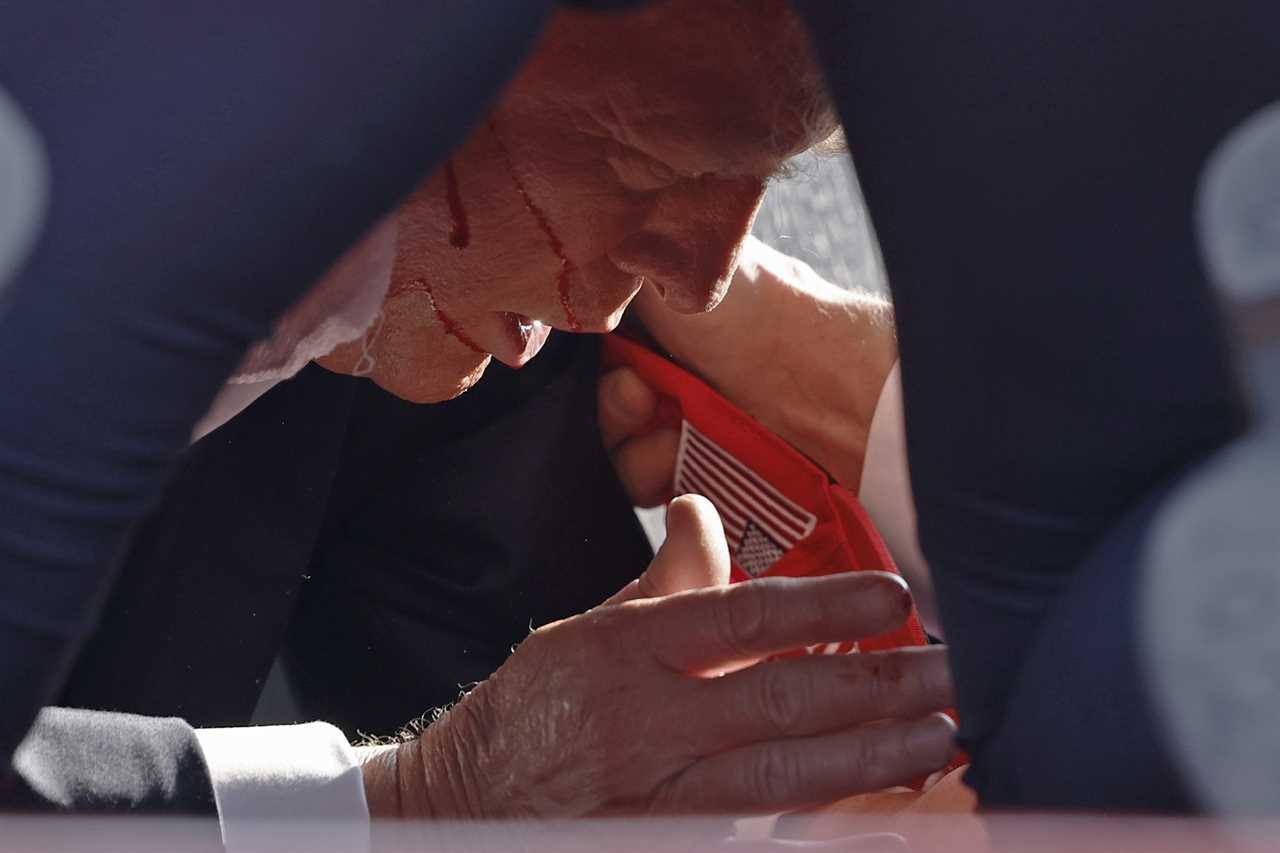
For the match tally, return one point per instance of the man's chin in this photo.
(428, 388)
(437, 385)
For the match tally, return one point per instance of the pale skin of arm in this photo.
(799, 354)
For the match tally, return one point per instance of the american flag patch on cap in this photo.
(760, 522)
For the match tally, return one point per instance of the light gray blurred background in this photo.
(817, 215)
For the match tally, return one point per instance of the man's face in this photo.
(631, 150)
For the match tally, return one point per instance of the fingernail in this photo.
(905, 601)
(875, 600)
(897, 593)
(932, 741)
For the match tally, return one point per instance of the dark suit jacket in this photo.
(391, 552)
(94, 762)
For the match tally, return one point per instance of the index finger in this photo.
(719, 628)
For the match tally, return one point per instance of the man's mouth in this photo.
(512, 339)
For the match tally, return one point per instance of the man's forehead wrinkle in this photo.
(650, 82)
(630, 123)
(695, 125)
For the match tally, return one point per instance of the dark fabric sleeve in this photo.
(207, 163)
(1031, 171)
(95, 761)
(453, 527)
(456, 528)
(209, 581)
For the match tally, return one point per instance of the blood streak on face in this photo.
(567, 267)
(460, 236)
(450, 325)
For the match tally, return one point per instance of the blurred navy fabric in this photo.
(1030, 170)
(207, 164)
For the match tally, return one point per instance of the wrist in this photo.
(379, 768)
(434, 773)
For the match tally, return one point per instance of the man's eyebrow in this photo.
(791, 165)
(762, 173)
(798, 162)
(785, 170)
(766, 166)
(768, 169)
(769, 162)
(781, 157)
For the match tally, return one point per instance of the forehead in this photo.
(690, 84)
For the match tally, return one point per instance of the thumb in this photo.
(625, 404)
(695, 554)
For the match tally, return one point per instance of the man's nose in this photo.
(688, 245)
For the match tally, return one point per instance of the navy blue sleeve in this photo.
(1031, 170)
(207, 162)
(114, 763)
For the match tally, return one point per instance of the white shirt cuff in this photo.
(286, 788)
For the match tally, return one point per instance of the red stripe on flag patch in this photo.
(760, 522)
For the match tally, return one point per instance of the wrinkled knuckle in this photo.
(869, 759)
(917, 688)
(580, 644)
(775, 777)
(745, 623)
(878, 695)
(780, 701)
(605, 629)
(630, 633)
(599, 624)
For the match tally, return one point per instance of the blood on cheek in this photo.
(459, 238)
(449, 325)
(567, 268)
